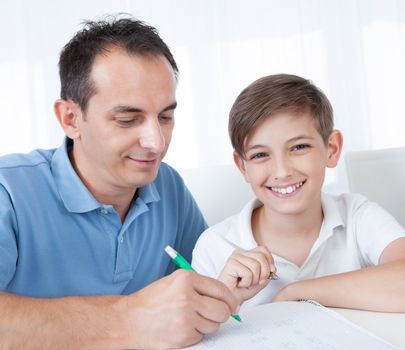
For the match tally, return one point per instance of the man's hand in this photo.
(177, 311)
(247, 272)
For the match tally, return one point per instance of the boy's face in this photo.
(285, 162)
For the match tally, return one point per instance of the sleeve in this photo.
(202, 258)
(193, 224)
(8, 241)
(180, 204)
(375, 230)
(212, 250)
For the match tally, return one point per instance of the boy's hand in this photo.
(247, 272)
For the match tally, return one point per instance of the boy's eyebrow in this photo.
(131, 109)
(293, 139)
(299, 137)
(254, 147)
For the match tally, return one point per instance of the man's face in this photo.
(285, 163)
(127, 127)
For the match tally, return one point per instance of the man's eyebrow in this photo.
(131, 109)
(170, 107)
(126, 109)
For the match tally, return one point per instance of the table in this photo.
(388, 326)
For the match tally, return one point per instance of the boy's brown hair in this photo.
(273, 94)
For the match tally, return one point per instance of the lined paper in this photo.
(291, 325)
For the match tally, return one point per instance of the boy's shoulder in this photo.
(349, 207)
(235, 229)
(348, 201)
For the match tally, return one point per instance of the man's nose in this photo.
(152, 137)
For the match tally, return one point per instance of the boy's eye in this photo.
(300, 147)
(258, 155)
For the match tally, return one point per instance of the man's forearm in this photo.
(61, 323)
(379, 288)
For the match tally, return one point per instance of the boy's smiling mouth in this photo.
(284, 190)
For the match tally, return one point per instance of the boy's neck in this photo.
(288, 236)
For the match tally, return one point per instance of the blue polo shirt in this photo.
(56, 239)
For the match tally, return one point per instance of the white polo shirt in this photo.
(353, 235)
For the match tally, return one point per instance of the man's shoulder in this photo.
(24, 160)
(167, 169)
(168, 175)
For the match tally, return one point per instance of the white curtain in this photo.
(353, 50)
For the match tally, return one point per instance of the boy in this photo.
(343, 251)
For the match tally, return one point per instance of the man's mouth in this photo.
(287, 189)
(145, 161)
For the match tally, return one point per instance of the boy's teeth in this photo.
(288, 189)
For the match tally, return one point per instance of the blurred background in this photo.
(354, 50)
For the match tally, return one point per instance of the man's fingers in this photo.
(215, 289)
(205, 326)
(214, 311)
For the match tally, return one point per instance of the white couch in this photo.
(220, 191)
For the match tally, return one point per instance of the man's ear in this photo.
(68, 114)
(240, 163)
(335, 144)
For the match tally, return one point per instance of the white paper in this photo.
(291, 325)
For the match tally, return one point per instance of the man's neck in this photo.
(120, 202)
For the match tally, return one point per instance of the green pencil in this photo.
(184, 264)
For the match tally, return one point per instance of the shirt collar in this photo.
(244, 236)
(149, 193)
(74, 194)
(331, 219)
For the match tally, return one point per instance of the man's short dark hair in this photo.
(97, 37)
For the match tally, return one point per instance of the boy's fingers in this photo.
(236, 274)
(264, 265)
(252, 276)
(270, 260)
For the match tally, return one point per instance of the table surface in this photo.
(388, 326)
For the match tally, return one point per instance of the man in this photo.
(83, 227)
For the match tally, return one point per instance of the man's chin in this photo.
(140, 180)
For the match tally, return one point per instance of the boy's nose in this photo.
(281, 168)
(152, 137)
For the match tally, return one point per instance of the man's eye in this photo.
(166, 118)
(125, 122)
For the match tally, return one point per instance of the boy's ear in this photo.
(335, 143)
(68, 114)
(240, 163)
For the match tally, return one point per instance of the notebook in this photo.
(291, 325)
